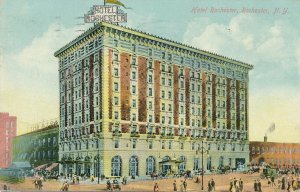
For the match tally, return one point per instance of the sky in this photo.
(32, 30)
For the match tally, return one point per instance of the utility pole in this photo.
(98, 162)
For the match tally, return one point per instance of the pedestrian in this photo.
(124, 181)
(156, 189)
(255, 186)
(241, 185)
(35, 182)
(269, 181)
(181, 187)
(77, 179)
(40, 184)
(74, 179)
(273, 181)
(283, 183)
(288, 186)
(230, 185)
(185, 185)
(259, 185)
(213, 185)
(209, 187)
(92, 178)
(174, 186)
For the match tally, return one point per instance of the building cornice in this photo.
(169, 44)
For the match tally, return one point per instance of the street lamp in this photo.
(98, 162)
(203, 150)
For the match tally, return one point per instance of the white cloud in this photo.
(39, 54)
(273, 48)
(29, 79)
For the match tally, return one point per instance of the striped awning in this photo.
(41, 167)
(52, 166)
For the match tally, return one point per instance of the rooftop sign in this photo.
(106, 13)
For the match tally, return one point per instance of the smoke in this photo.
(270, 129)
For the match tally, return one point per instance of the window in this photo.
(133, 166)
(162, 144)
(133, 89)
(163, 94)
(163, 119)
(116, 100)
(150, 118)
(181, 146)
(163, 80)
(170, 144)
(133, 75)
(116, 115)
(116, 166)
(170, 95)
(150, 165)
(162, 106)
(150, 78)
(133, 117)
(133, 102)
(133, 143)
(150, 91)
(150, 144)
(116, 72)
(116, 144)
(150, 105)
(116, 57)
(116, 86)
(170, 107)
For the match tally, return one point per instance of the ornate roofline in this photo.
(151, 37)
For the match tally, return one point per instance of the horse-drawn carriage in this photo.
(113, 185)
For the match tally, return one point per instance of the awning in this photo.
(52, 166)
(40, 167)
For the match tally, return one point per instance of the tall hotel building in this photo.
(132, 103)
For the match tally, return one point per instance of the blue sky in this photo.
(31, 30)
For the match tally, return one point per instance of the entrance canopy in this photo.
(51, 167)
(41, 167)
(169, 166)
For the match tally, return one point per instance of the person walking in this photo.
(174, 186)
(273, 181)
(230, 185)
(213, 185)
(181, 186)
(156, 189)
(283, 183)
(255, 186)
(185, 185)
(92, 178)
(209, 187)
(241, 185)
(259, 185)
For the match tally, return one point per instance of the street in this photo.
(222, 184)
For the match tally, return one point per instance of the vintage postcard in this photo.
(150, 95)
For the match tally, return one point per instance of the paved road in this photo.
(222, 184)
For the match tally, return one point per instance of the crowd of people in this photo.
(236, 185)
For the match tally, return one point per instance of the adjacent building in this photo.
(132, 103)
(274, 153)
(39, 147)
(8, 129)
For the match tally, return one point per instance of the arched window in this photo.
(182, 165)
(133, 166)
(150, 165)
(116, 166)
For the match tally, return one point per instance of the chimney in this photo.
(265, 139)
